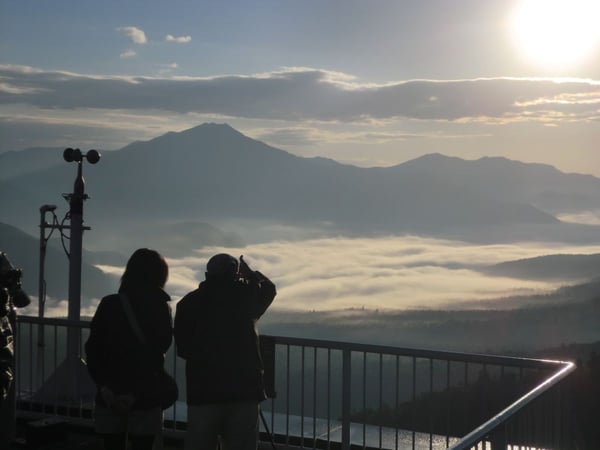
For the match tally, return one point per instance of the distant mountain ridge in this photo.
(214, 173)
(539, 184)
(23, 252)
(18, 163)
(550, 267)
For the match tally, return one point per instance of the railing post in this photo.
(346, 398)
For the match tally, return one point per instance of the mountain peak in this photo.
(211, 127)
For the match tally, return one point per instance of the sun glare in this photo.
(557, 33)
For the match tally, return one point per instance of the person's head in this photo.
(222, 266)
(145, 268)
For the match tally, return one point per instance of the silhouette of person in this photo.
(7, 359)
(7, 374)
(123, 368)
(12, 296)
(215, 332)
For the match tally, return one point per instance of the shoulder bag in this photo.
(166, 390)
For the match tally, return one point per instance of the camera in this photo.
(10, 285)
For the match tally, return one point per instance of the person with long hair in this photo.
(123, 367)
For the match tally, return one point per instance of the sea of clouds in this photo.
(372, 273)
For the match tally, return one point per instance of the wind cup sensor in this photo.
(70, 155)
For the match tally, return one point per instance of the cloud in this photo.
(179, 39)
(136, 35)
(308, 94)
(289, 136)
(112, 129)
(585, 218)
(387, 273)
(127, 54)
(167, 68)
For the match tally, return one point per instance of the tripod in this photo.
(264, 422)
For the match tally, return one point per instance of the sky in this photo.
(369, 83)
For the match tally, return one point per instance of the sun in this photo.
(557, 33)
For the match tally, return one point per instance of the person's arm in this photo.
(264, 290)
(266, 294)
(95, 346)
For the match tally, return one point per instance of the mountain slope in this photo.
(214, 173)
(550, 267)
(23, 252)
(15, 164)
(539, 184)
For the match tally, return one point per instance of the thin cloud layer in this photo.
(385, 273)
(395, 273)
(136, 35)
(178, 39)
(307, 94)
(128, 54)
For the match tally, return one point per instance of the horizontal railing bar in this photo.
(359, 347)
(513, 361)
(56, 321)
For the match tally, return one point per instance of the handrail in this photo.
(554, 373)
(441, 355)
(57, 321)
(358, 347)
(478, 434)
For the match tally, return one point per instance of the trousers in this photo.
(235, 425)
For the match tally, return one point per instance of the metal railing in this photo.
(326, 394)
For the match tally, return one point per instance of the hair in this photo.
(145, 267)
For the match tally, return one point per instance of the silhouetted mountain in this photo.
(539, 184)
(557, 267)
(170, 239)
(212, 173)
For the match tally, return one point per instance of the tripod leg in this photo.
(264, 421)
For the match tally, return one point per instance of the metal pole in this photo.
(41, 293)
(43, 243)
(41, 288)
(346, 397)
(75, 250)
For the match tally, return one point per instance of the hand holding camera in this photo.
(244, 268)
(249, 275)
(245, 272)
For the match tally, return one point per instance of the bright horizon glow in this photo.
(556, 33)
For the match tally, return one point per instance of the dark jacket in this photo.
(115, 356)
(7, 360)
(215, 333)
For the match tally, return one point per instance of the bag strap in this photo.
(135, 326)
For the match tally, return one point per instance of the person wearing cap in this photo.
(215, 333)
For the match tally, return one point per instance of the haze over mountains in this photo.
(214, 174)
(211, 185)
